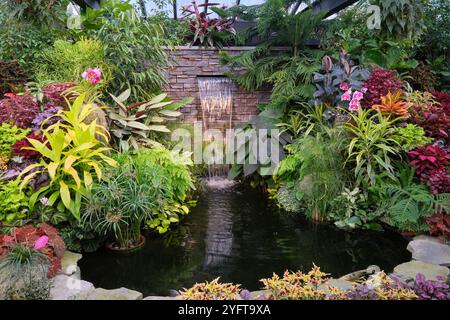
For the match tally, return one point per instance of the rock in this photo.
(373, 269)
(430, 251)
(69, 263)
(409, 270)
(66, 288)
(344, 285)
(428, 238)
(115, 294)
(160, 298)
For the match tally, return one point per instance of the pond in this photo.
(235, 233)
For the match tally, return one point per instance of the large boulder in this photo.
(409, 270)
(430, 251)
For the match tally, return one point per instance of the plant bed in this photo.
(113, 247)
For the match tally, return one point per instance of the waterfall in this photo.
(216, 102)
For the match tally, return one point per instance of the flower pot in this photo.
(115, 249)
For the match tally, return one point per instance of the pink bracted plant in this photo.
(206, 29)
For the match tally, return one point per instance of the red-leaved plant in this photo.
(379, 84)
(431, 167)
(434, 117)
(28, 235)
(21, 109)
(18, 149)
(53, 96)
(439, 225)
(205, 28)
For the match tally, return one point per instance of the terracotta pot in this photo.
(110, 247)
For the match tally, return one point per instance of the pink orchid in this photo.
(41, 242)
(354, 105)
(344, 86)
(364, 90)
(92, 75)
(358, 96)
(347, 95)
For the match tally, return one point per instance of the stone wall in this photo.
(189, 63)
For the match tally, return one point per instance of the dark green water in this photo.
(237, 235)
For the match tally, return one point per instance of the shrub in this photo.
(392, 106)
(431, 115)
(44, 238)
(372, 146)
(379, 84)
(301, 286)
(430, 289)
(439, 225)
(148, 187)
(431, 167)
(53, 96)
(66, 61)
(20, 147)
(9, 135)
(21, 109)
(13, 202)
(71, 155)
(213, 290)
(11, 76)
(47, 116)
(410, 137)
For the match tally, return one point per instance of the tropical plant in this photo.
(20, 109)
(71, 154)
(430, 289)
(289, 72)
(247, 160)
(350, 210)
(392, 106)
(145, 189)
(134, 124)
(66, 61)
(379, 84)
(404, 203)
(133, 45)
(313, 171)
(410, 137)
(371, 147)
(8, 136)
(208, 31)
(401, 19)
(337, 77)
(13, 203)
(213, 290)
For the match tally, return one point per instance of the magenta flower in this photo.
(354, 105)
(41, 242)
(92, 75)
(364, 90)
(344, 86)
(347, 95)
(358, 96)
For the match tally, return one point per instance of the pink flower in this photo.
(92, 75)
(354, 105)
(344, 86)
(358, 96)
(364, 90)
(41, 242)
(347, 95)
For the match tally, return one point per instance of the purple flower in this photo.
(245, 294)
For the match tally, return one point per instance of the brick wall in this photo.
(188, 63)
